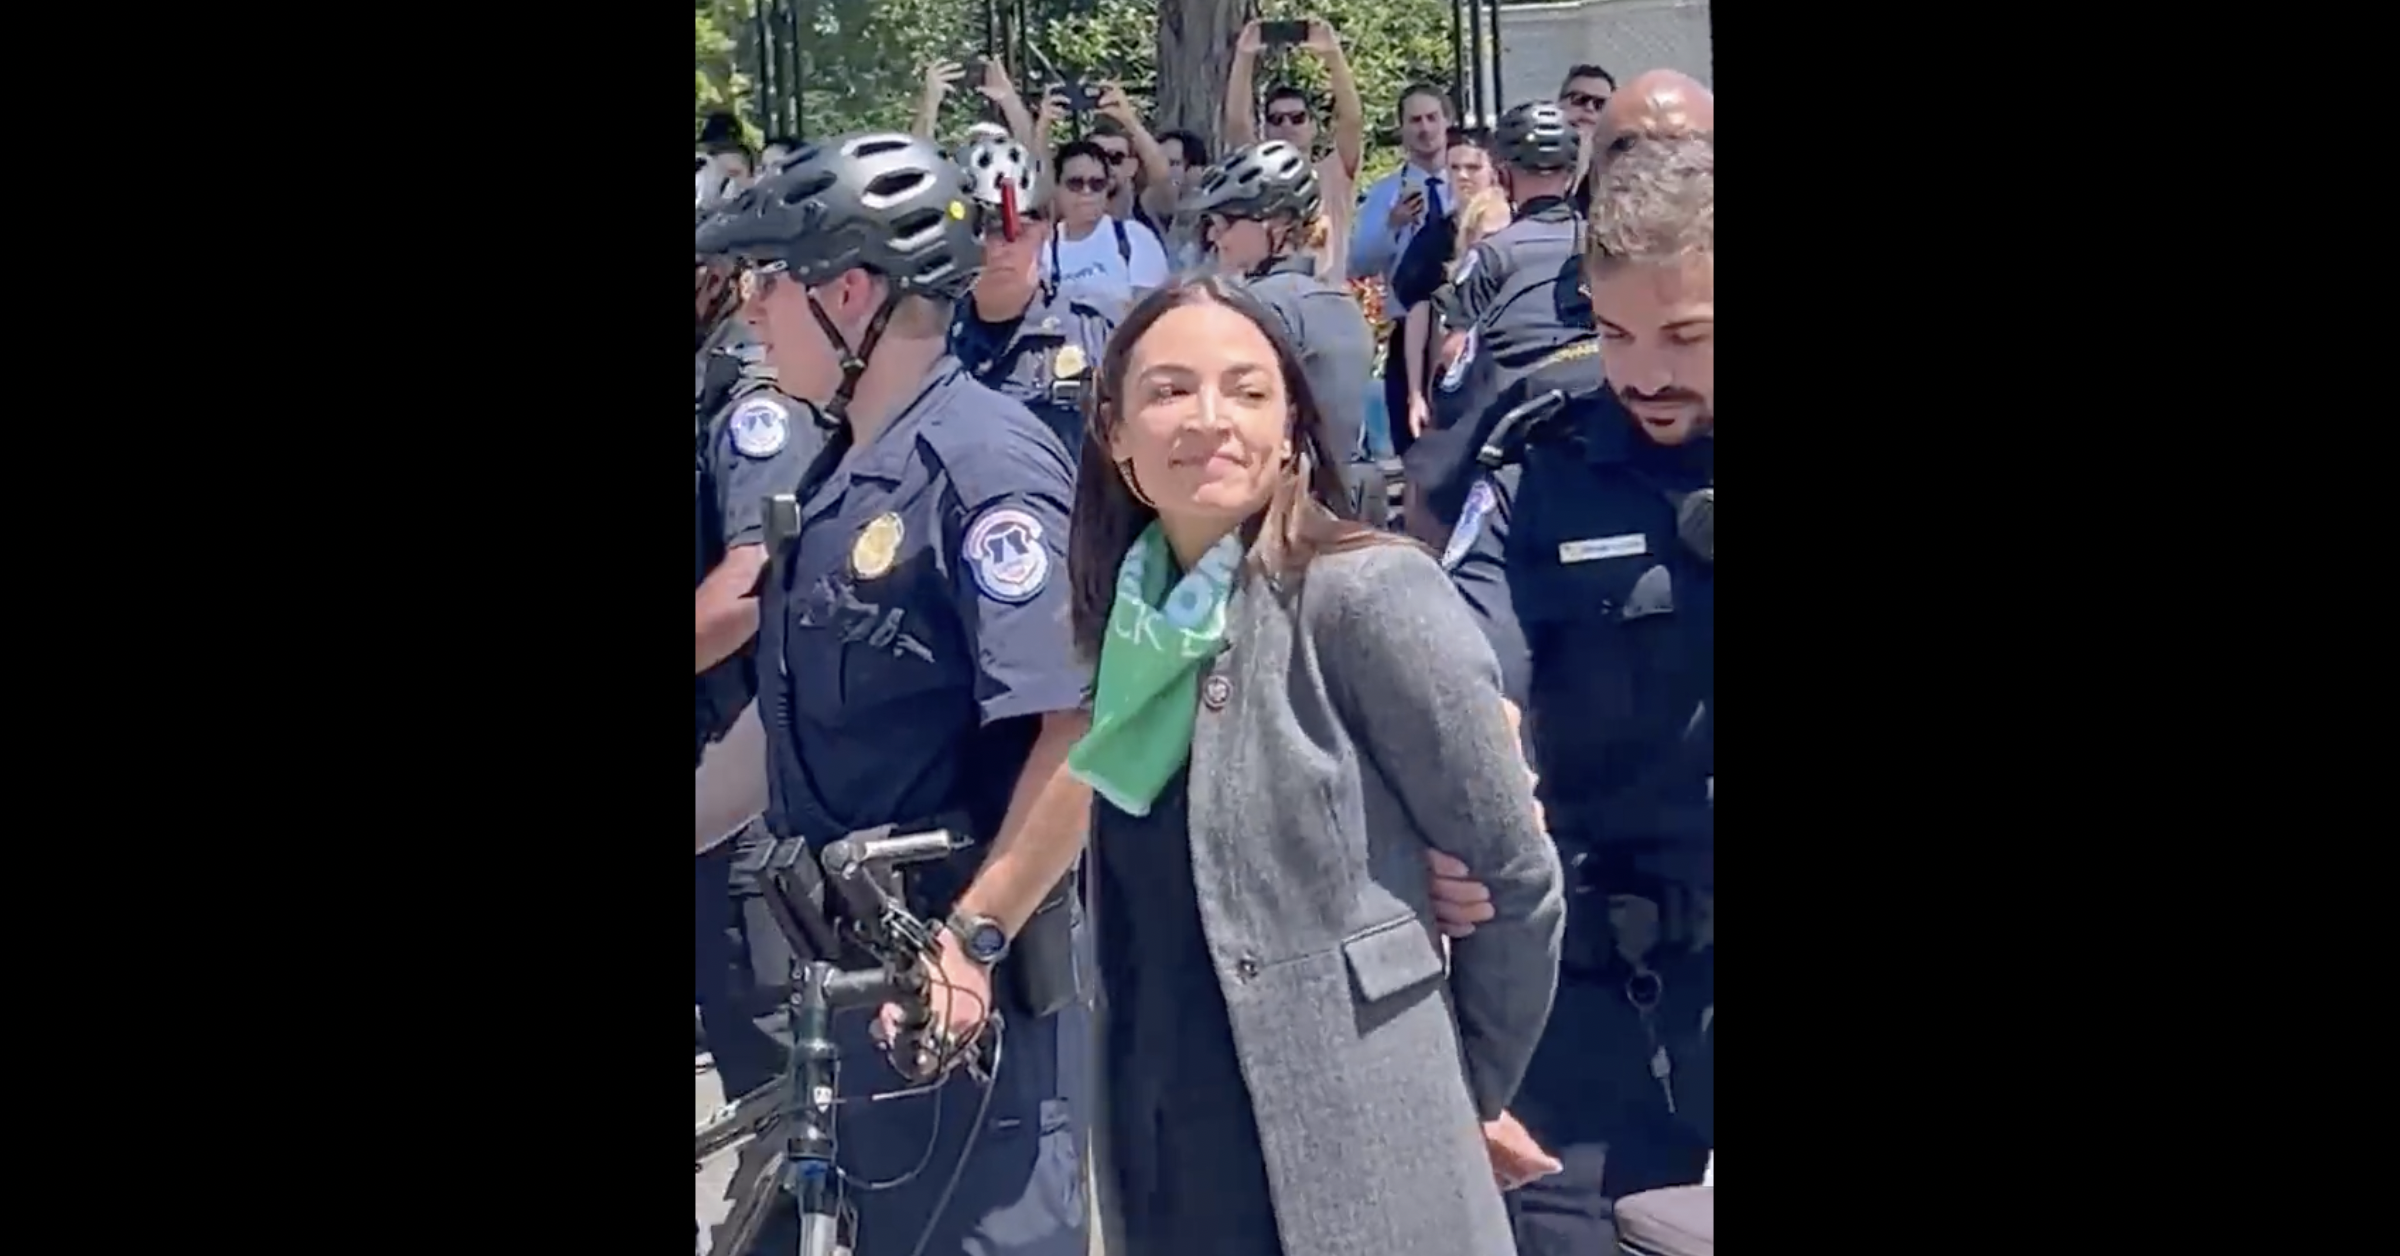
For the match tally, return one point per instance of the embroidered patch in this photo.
(1480, 500)
(759, 428)
(1004, 549)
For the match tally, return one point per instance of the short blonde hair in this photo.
(1655, 202)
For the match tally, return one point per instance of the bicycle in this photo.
(863, 871)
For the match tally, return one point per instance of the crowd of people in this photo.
(1334, 879)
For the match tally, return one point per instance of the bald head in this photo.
(1657, 102)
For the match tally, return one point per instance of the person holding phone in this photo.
(1291, 118)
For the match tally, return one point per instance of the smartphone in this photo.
(1081, 97)
(1283, 32)
(971, 74)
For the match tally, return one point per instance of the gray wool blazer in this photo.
(1348, 726)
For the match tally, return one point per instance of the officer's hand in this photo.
(1407, 210)
(1460, 902)
(1516, 1158)
(960, 995)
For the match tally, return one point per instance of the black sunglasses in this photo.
(1288, 119)
(1097, 183)
(1117, 156)
(1585, 100)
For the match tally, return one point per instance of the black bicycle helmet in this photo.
(1259, 181)
(888, 202)
(1537, 136)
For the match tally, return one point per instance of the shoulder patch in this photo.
(1004, 549)
(759, 428)
(1480, 501)
(1457, 372)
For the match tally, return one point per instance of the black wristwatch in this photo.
(985, 941)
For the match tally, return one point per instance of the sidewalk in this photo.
(709, 1204)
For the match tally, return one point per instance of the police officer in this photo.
(748, 447)
(1441, 466)
(1257, 214)
(1592, 568)
(1516, 294)
(1018, 334)
(916, 667)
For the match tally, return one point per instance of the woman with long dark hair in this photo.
(1290, 709)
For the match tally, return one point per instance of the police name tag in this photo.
(1628, 546)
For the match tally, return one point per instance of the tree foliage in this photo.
(864, 58)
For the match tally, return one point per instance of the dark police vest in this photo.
(1442, 466)
(720, 693)
(1619, 617)
(1337, 347)
(1532, 300)
(1043, 360)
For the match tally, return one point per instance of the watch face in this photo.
(985, 942)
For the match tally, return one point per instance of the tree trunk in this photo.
(1195, 52)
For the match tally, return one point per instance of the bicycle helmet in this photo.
(994, 161)
(887, 202)
(883, 202)
(1259, 181)
(1537, 136)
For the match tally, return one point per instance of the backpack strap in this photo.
(1124, 242)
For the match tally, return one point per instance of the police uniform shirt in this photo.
(920, 611)
(1604, 621)
(1337, 347)
(1518, 294)
(758, 447)
(1441, 465)
(1044, 358)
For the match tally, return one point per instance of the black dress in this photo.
(1192, 1180)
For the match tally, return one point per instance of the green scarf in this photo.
(1149, 688)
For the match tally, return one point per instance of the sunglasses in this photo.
(1096, 183)
(1584, 100)
(757, 281)
(1118, 156)
(1287, 119)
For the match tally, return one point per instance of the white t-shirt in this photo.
(1095, 268)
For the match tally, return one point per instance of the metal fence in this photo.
(1538, 42)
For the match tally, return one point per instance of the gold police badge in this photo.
(1068, 362)
(877, 546)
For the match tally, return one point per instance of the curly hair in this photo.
(1655, 202)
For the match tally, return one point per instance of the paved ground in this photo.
(708, 1186)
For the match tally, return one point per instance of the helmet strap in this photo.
(854, 364)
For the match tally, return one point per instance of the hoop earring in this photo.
(1133, 483)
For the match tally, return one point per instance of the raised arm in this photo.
(940, 77)
(1421, 693)
(1349, 116)
(1155, 176)
(998, 89)
(1241, 97)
